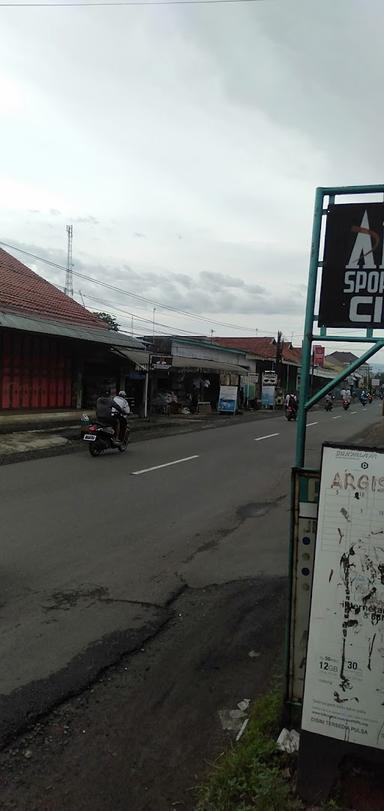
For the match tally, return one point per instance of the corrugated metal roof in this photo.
(141, 358)
(65, 329)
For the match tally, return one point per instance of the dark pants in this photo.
(121, 424)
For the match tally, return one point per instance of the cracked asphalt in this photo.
(104, 557)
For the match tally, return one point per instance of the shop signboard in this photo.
(268, 389)
(228, 399)
(352, 286)
(161, 362)
(318, 355)
(268, 394)
(375, 382)
(269, 378)
(344, 681)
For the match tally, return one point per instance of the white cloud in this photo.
(184, 143)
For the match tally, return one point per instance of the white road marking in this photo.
(353, 412)
(312, 423)
(337, 418)
(267, 436)
(167, 464)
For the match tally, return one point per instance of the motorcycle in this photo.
(370, 398)
(328, 405)
(346, 404)
(101, 437)
(290, 413)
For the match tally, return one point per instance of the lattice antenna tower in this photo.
(68, 289)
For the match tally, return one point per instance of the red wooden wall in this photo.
(35, 372)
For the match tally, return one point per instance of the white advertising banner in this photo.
(344, 682)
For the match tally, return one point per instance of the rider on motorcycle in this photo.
(291, 403)
(120, 411)
(113, 411)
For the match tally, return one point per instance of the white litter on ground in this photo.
(244, 704)
(288, 740)
(242, 729)
(233, 720)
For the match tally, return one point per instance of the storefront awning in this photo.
(208, 365)
(67, 329)
(140, 358)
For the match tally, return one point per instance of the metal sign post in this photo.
(351, 262)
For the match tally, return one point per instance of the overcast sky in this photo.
(185, 144)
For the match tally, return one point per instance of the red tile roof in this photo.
(342, 357)
(23, 291)
(264, 347)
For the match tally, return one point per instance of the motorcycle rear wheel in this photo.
(95, 449)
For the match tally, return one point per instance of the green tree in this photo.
(110, 320)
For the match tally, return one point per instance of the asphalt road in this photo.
(95, 550)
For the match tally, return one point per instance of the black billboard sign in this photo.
(161, 362)
(352, 288)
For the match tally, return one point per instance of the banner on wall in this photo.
(227, 399)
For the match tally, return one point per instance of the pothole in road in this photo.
(254, 509)
(65, 600)
(257, 509)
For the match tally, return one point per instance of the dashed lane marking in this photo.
(166, 464)
(267, 436)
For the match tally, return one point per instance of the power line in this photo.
(134, 315)
(94, 3)
(131, 293)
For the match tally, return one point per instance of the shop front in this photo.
(189, 386)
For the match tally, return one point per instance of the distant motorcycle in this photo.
(346, 404)
(290, 413)
(370, 398)
(101, 437)
(328, 405)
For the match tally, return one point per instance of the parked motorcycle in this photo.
(101, 437)
(346, 404)
(290, 413)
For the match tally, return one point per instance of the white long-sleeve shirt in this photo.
(121, 401)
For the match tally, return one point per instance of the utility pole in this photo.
(279, 358)
(68, 289)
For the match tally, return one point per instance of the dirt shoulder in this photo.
(142, 737)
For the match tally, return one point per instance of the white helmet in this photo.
(122, 394)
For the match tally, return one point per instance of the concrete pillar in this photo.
(145, 394)
(78, 388)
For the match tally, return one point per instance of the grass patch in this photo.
(254, 775)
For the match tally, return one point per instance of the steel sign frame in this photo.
(324, 197)
(315, 264)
